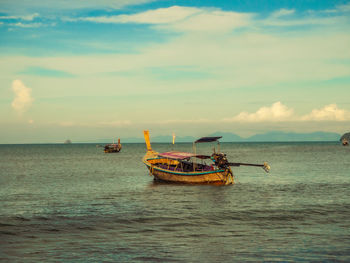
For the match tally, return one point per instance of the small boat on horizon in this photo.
(345, 138)
(113, 147)
(183, 167)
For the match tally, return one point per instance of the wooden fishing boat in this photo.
(184, 167)
(113, 147)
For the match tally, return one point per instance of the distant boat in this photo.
(183, 167)
(67, 141)
(113, 147)
(345, 139)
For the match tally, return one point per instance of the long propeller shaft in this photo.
(265, 166)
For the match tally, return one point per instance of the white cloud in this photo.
(65, 5)
(286, 18)
(281, 113)
(121, 123)
(329, 112)
(306, 21)
(115, 123)
(344, 8)
(32, 25)
(212, 21)
(157, 16)
(180, 19)
(184, 121)
(23, 99)
(283, 12)
(25, 17)
(277, 112)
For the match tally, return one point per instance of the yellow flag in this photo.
(173, 138)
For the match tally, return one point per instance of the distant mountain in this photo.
(228, 137)
(277, 136)
(274, 136)
(169, 139)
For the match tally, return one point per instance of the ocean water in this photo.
(74, 203)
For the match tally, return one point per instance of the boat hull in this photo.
(216, 178)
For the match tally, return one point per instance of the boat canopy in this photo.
(208, 139)
(182, 155)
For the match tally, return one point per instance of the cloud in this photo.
(287, 18)
(277, 112)
(281, 113)
(184, 121)
(213, 21)
(28, 25)
(283, 12)
(115, 123)
(23, 99)
(25, 18)
(121, 123)
(344, 8)
(306, 21)
(157, 16)
(329, 112)
(46, 72)
(65, 5)
(178, 18)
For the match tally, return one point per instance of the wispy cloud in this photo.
(26, 25)
(66, 5)
(122, 123)
(23, 98)
(180, 18)
(184, 121)
(30, 17)
(46, 72)
(157, 16)
(283, 12)
(305, 21)
(345, 8)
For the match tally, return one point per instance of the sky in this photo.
(89, 70)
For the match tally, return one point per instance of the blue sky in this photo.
(100, 69)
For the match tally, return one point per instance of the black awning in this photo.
(208, 139)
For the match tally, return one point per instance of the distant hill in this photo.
(294, 137)
(274, 136)
(228, 137)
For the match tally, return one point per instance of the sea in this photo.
(74, 203)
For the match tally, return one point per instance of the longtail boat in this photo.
(113, 147)
(184, 167)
